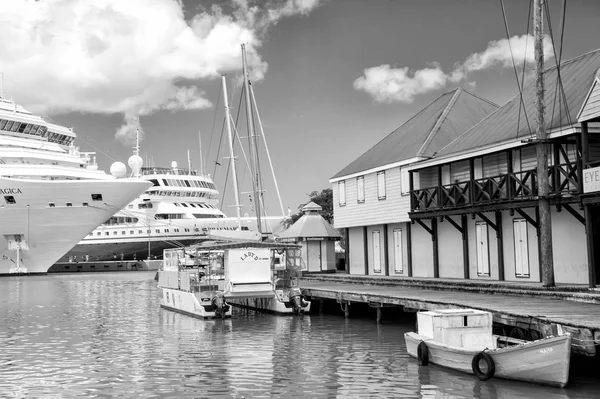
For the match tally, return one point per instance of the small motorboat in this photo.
(462, 339)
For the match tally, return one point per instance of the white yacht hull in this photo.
(50, 217)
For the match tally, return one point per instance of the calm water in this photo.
(103, 335)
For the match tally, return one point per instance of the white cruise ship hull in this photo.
(49, 217)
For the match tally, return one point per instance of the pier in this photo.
(526, 310)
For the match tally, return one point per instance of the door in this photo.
(521, 248)
(376, 252)
(483, 253)
(398, 251)
(314, 256)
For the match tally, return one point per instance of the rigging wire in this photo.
(212, 130)
(559, 84)
(522, 103)
(525, 66)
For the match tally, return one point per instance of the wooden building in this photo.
(474, 205)
(371, 196)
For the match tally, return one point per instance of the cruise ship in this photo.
(51, 194)
(179, 209)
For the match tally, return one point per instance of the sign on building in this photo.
(591, 180)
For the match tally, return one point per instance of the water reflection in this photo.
(103, 335)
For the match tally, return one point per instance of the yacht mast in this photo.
(252, 144)
(546, 257)
(262, 133)
(231, 154)
(201, 158)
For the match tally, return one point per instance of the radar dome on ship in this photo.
(174, 164)
(118, 169)
(135, 162)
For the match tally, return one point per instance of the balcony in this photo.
(510, 187)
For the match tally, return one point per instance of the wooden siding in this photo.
(428, 177)
(591, 109)
(495, 164)
(393, 209)
(460, 171)
(528, 158)
(450, 250)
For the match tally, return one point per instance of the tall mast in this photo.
(252, 144)
(201, 158)
(231, 154)
(545, 234)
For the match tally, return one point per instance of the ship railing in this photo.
(149, 170)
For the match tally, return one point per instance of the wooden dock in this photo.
(543, 312)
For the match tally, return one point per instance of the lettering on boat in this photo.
(10, 191)
(546, 350)
(250, 255)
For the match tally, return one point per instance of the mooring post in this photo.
(321, 306)
(347, 309)
(379, 315)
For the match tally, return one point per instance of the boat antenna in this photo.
(231, 153)
(252, 143)
(136, 149)
(201, 158)
(262, 133)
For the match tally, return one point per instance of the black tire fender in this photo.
(423, 354)
(491, 366)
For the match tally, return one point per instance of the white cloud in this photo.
(386, 84)
(117, 56)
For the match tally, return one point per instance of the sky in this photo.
(331, 78)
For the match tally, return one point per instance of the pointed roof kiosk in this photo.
(317, 238)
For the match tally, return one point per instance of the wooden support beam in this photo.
(347, 257)
(456, 225)
(366, 250)
(488, 221)
(427, 228)
(500, 241)
(589, 232)
(436, 255)
(465, 240)
(386, 258)
(529, 219)
(409, 248)
(575, 214)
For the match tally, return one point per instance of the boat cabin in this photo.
(463, 328)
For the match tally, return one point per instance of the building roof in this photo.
(440, 122)
(511, 123)
(311, 224)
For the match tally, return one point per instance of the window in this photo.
(51, 205)
(69, 204)
(360, 187)
(483, 254)
(342, 192)
(140, 232)
(85, 204)
(376, 252)
(10, 199)
(96, 197)
(398, 255)
(107, 233)
(381, 185)
(404, 181)
(98, 233)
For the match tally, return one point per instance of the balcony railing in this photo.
(563, 179)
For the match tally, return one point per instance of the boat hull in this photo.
(268, 304)
(544, 361)
(52, 216)
(191, 304)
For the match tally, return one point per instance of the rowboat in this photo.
(462, 339)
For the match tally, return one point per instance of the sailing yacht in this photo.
(181, 208)
(51, 194)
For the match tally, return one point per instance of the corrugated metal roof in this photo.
(434, 126)
(508, 124)
(591, 107)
